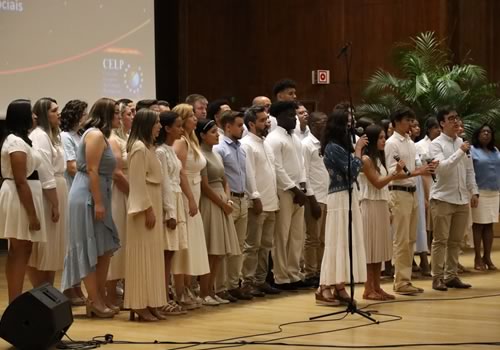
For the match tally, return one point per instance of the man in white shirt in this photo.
(290, 175)
(450, 200)
(317, 192)
(283, 90)
(403, 200)
(263, 203)
(302, 129)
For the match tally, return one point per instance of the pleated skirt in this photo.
(144, 260)
(49, 255)
(220, 232)
(335, 265)
(487, 209)
(192, 261)
(14, 221)
(177, 239)
(376, 230)
(119, 213)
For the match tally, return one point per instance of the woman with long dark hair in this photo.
(486, 159)
(374, 206)
(174, 215)
(93, 237)
(144, 263)
(337, 148)
(48, 257)
(21, 199)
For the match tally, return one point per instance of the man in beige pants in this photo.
(450, 201)
(403, 199)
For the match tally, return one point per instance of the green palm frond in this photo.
(427, 81)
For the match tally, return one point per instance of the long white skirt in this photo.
(335, 264)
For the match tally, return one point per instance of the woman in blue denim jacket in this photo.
(336, 148)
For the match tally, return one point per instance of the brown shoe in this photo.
(325, 297)
(438, 284)
(457, 283)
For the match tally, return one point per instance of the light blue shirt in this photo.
(234, 159)
(487, 168)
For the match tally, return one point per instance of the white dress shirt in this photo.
(287, 151)
(53, 163)
(316, 173)
(455, 177)
(274, 123)
(423, 147)
(261, 174)
(404, 147)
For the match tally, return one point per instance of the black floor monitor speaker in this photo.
(36, 319)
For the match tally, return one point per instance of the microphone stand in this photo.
(351, 306)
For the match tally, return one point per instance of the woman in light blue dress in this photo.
(93, 236)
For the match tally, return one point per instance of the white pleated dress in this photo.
(49, 256)
(14, 221)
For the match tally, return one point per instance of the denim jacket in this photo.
(335, 159)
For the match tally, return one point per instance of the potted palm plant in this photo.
(426, 80)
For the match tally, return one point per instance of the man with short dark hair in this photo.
(450, 196)
(234, 159)
(403, 199)
(214, 112)
(263, 203)
(291, 180)
(149, 104)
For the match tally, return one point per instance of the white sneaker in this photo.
(208, 300)
(220, 300)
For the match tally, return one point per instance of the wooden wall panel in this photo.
(238, 49)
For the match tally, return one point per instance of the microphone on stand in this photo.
(343, 50)
(405, 169)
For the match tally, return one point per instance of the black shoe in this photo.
(301, 284)
(249, 289)
(457, 283)
(266, 288)
(285, 286)
(239, 294)
(225, 295)
(438, 284)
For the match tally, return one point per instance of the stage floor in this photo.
(428, 318)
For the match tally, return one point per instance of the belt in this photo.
(236, 194)
(402, 188)
(33, 176)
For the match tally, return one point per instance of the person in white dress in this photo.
(174, 215)
(21, 199)
(192, 261)
(119, 196)
(48, 257)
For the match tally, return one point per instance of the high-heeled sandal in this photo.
(373, 295)
(116, 309)
(345, 299)
(489, 265)
(156, 313)
(143, 315)
(92, 310)
(386, 295)
(479, 265)
(324, 296)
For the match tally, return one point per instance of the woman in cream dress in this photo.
(144, 263)
(48, 257)
(192, 261)
(119, 194)
(175, 234)
(21, 199)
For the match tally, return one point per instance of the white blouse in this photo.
(171, 180)
(52, 158)
(16, 144)
(370, 192)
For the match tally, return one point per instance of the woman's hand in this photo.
(55, 213)
(150, 218)
(34, 223)
(228, 208)
(193, 208)
(99, 212)
(171, 223)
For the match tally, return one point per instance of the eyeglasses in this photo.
(486, 131)
(453, 118)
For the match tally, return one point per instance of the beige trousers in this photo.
(315, 241)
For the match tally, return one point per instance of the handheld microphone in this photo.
(428, 161)
(405, 169)
(343, 50)
(464, 137)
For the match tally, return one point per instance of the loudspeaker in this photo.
(36, 319)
